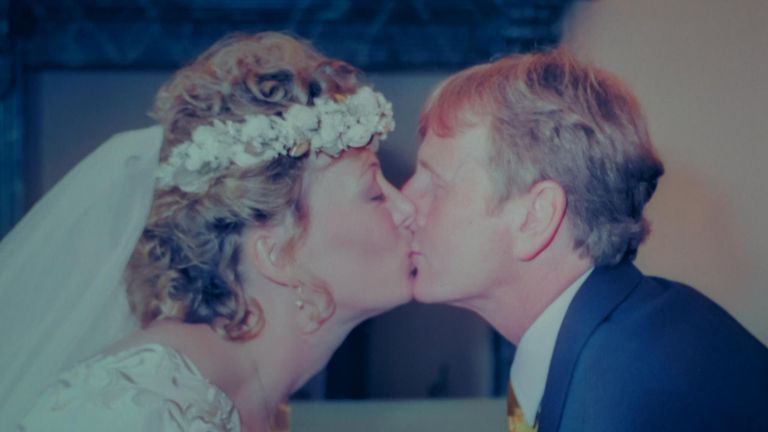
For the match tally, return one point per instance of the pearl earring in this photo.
(299, 301)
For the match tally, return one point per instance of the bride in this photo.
(260, 236)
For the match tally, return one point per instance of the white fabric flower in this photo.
(302, 117)
(329, 127)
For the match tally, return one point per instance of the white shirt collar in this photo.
(534, 352)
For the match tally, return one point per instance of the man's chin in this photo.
(426, 292)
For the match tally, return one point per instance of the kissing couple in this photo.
(192, 275)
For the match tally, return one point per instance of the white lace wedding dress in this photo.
(145, 388)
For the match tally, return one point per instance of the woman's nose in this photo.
(401, 207)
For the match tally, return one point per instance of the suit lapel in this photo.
(601, 293)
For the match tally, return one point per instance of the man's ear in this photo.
(543, 212)
(266, 252)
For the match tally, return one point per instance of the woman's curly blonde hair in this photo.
(185, 265)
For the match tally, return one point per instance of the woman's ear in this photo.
(543, 213)
(266, 253)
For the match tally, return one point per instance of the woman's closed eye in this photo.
(378, 197)
(375, 193)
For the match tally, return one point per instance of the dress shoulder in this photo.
(150, 387)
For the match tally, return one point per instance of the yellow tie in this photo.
(281, 420)
(515, 417)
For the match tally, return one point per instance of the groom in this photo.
(532, 177)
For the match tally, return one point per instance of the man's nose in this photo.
(410, 192)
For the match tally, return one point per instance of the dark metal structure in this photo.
(163, 34)
(373, 34)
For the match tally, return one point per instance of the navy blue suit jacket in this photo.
(637, 353)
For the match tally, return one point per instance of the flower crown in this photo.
(332, 125)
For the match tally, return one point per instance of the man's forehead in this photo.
(469, 143)
(436, 150)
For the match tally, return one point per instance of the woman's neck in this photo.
(274, 365)
(258, 374)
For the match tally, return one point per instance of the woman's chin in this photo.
(400, 298)
(400, 289)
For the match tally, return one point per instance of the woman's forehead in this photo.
(348, 160)
(345, 170)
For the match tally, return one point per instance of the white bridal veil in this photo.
(62, 298)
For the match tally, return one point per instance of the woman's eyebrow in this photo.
(367, 168)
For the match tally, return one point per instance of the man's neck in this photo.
(512, 307)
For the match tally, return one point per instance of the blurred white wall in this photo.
(700, 68)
